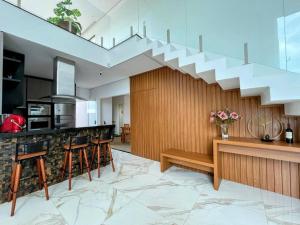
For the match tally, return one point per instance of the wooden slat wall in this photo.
(171, 110)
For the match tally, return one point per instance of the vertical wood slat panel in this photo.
(170, 109)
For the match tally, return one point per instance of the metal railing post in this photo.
(114, 42)
(101, 41)
(19, 3)
(200, 43)
(246, 56)
(70, 26)
(168, 36)
(144, 31)
(131, 31)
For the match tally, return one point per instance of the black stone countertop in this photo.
(48, 131)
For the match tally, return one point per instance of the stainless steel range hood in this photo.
(64, 88)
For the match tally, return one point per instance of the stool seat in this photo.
(28, 156)
(74, 146)
(96, 141)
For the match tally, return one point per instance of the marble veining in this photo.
(138, 194)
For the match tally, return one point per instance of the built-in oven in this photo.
(39, 109)
(39, 123)
(64, 115)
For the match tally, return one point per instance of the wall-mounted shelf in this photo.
(12, 59)
(5, 79)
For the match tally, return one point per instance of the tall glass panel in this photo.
(227, 25)
(115, 24)
(160, 15)
(292, 34)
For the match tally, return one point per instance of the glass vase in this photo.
(224, 131)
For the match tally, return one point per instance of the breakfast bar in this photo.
(54, 157)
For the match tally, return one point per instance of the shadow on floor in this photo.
(118, 145)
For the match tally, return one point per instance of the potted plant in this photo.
(65, 17)
(223, 118)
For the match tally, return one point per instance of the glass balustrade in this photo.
(270, 28)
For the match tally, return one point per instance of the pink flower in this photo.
(234, 115)
(222, 115)
(212, 114)
(212, 119)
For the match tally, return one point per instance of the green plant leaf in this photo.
(63, 13)
(76, 12)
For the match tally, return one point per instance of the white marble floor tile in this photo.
(280, 209)
(31, 210)
(135, 214)
(186, 177)
(215, 211)
(139, 194)
(231, 190)
(172, 201)
(91, 204)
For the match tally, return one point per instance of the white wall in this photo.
(106, 110)
(116, 101)
(83, 93)
(82, 119)
(121, 87)
(127, 109)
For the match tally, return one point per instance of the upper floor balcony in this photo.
(267, 31)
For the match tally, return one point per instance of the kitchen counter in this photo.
(46, 131)
(53, 159)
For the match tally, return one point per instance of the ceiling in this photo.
(39, 63)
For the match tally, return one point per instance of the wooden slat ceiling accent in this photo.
(171, 110)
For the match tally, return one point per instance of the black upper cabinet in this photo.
(38, 88)
(13, 81)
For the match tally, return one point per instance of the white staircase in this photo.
(275, 86)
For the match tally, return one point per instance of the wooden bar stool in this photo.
(103, 140)
(79, 144)
(26, 151)
(125, 132)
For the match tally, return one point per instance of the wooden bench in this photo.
(187, 159)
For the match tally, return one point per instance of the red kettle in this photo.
(13, 124)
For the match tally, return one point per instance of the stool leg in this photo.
(12, 181)
(15, 189)
(80, 160)
(43, 172)
(98, 159)
(93, 156)
(70, 170)
(111, 157)
(87, 164)
(38, 166)
(64, 165)
(105, 153)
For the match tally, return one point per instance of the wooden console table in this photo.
(277, 150)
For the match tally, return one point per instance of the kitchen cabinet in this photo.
(13, 94)
(38, 88)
